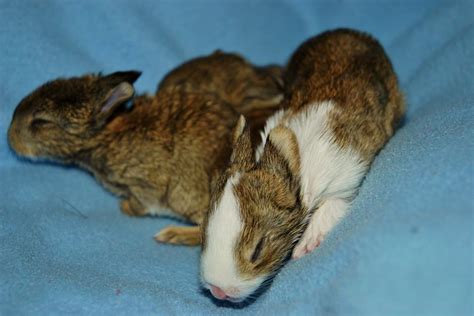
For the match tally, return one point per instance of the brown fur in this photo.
(345, 66)
(253, 91)
(352, 69)
(164, 151)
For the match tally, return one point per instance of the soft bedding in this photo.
(405, 249)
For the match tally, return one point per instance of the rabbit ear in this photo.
(242, 153)
(118, 95)
(275, 72)
(117, 88)
(115, 97)
(116, 78)
(281, 153)
(239, 129)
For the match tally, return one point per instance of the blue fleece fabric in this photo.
(405, 249)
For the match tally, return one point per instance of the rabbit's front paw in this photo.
(311, 240)
(180, 235)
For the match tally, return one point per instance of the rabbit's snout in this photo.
(17, 137)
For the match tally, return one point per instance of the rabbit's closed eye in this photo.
(41, 123)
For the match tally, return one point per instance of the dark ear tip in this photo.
(129, 76)
(134, 75)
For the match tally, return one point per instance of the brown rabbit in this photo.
(159, 154)
(342, 104)
(253, 91)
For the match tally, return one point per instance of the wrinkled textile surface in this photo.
(407, 245)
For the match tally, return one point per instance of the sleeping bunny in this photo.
(254, 92)
(159, 155)
(342, 104)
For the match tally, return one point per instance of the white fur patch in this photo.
(218, 264)
(329, 175)
(327, 170)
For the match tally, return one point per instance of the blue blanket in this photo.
(407, 245)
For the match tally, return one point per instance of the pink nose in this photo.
(218, 292)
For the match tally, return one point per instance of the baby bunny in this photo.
(342, 103)
(160, 153)
(252, 91)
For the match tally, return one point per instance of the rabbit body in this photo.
(342, 104)
(254, 92)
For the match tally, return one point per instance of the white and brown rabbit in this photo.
(342, 104)
(159, 155)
